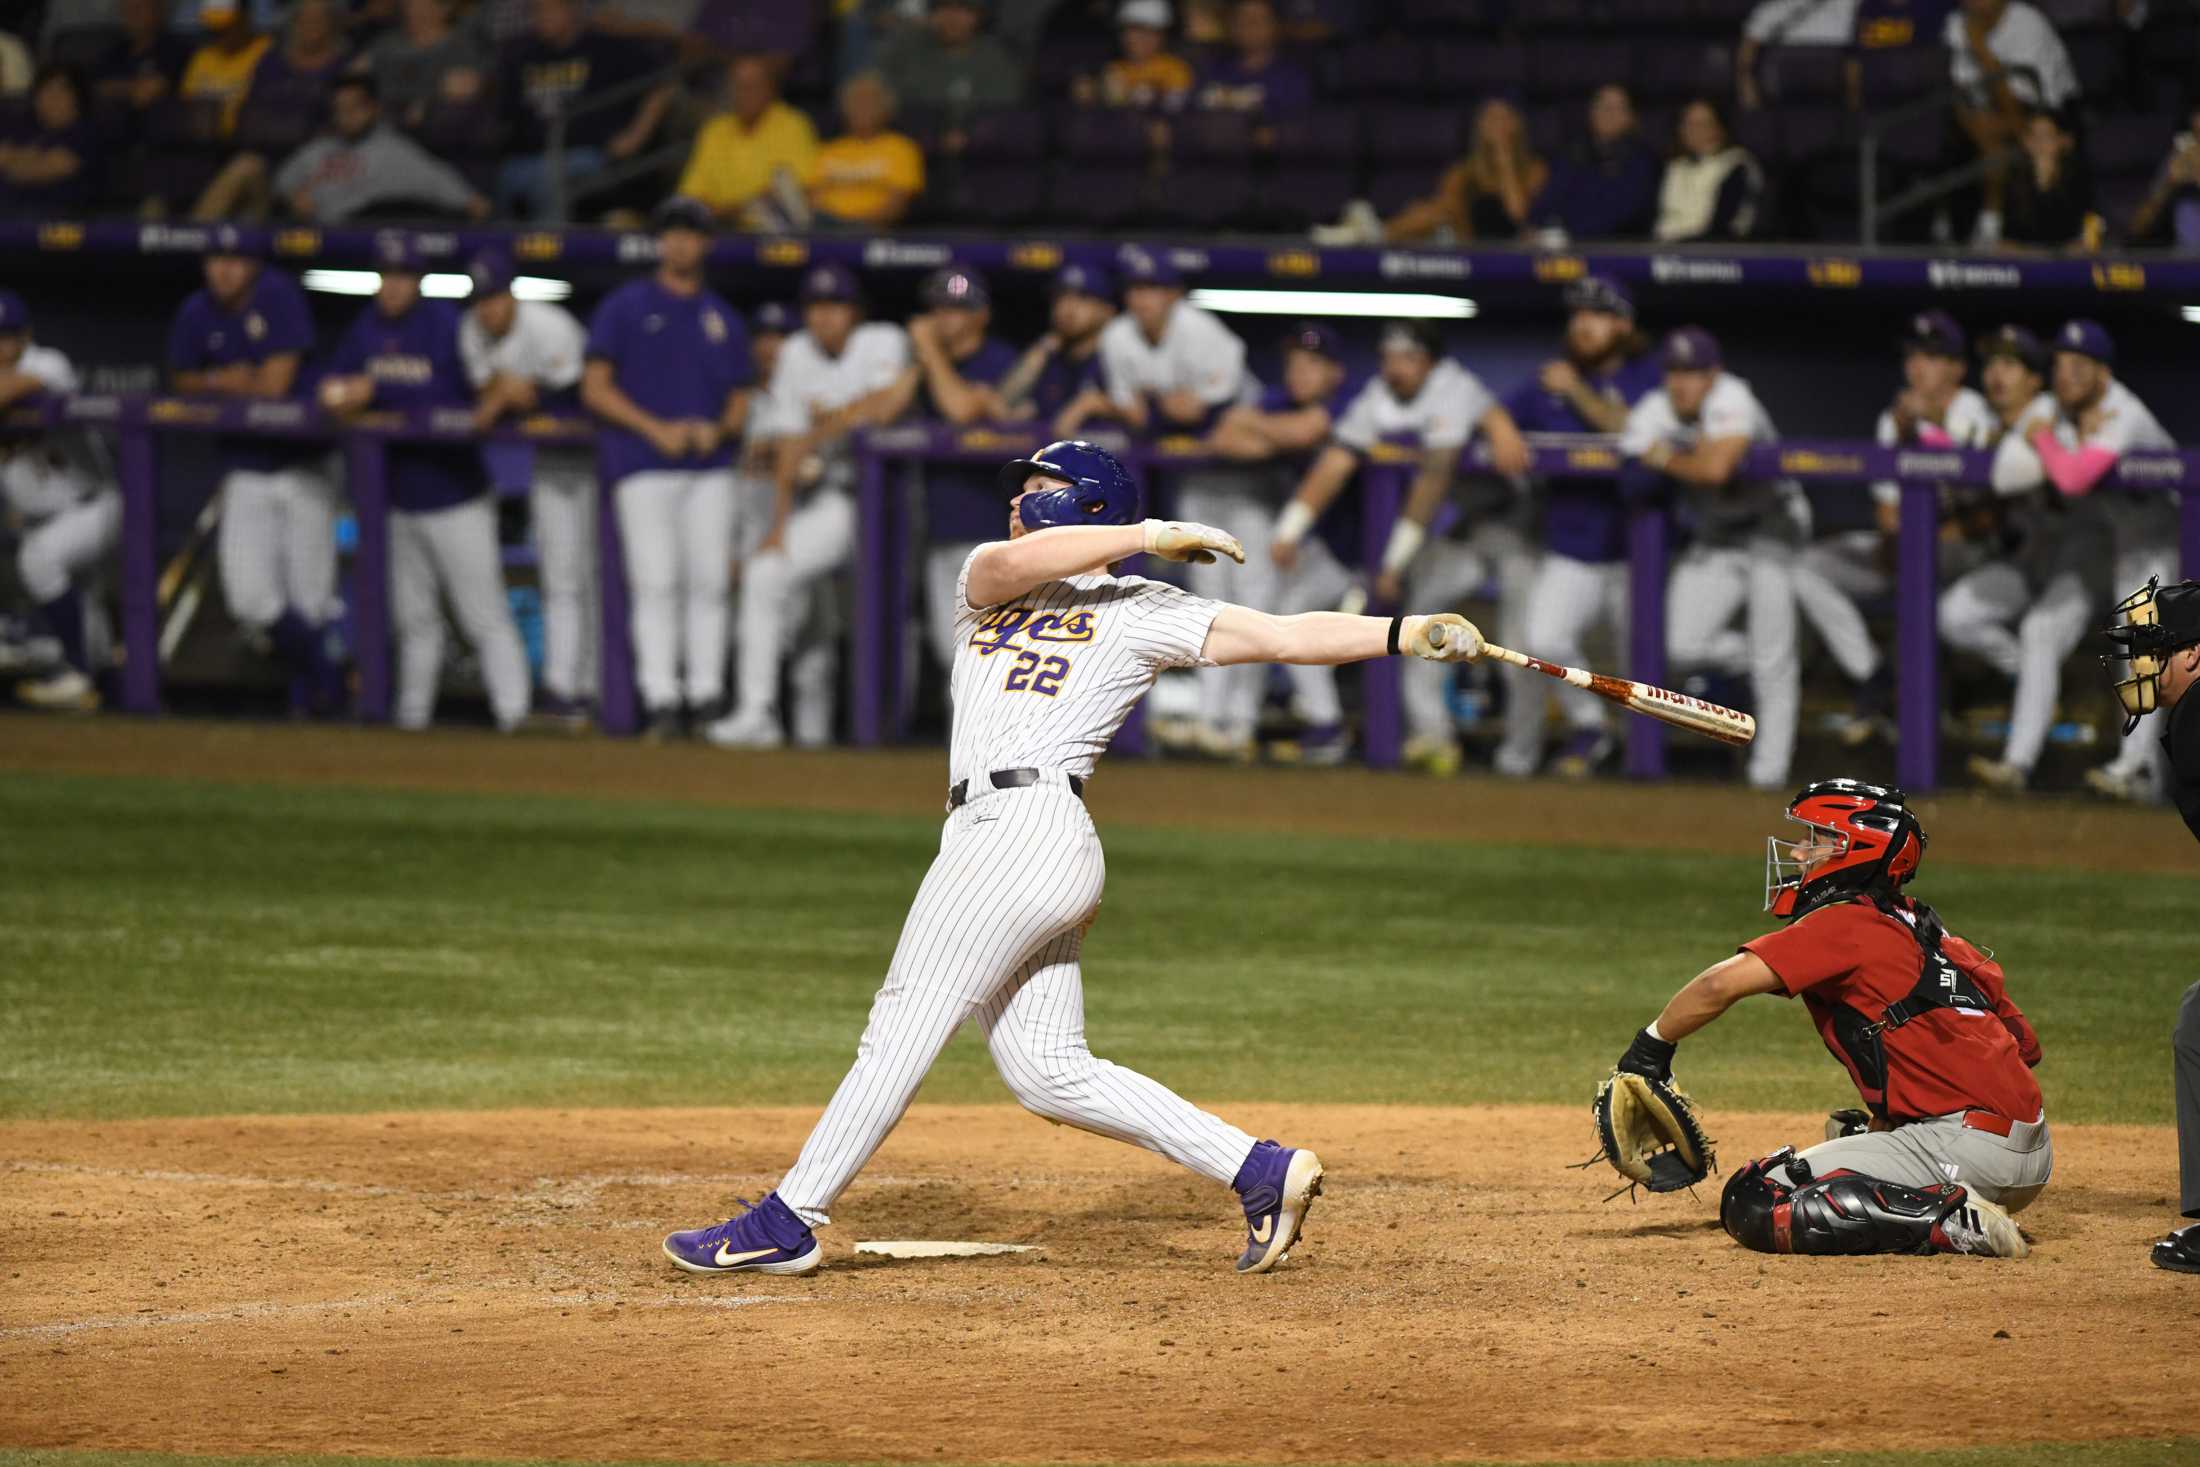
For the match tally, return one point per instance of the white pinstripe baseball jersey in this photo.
(1045, 680)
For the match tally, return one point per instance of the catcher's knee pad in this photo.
(1841, 1213)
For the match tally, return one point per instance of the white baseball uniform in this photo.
(61, 486)
(547, 347)
(2027, 613)
(998, 927)
(820, 533)
(1197, 353)
(1451, 567)
(1741, 561)
(1832, 574)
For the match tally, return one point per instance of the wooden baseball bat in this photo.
(179, 566)
(1697, 715)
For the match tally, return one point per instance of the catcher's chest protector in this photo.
(1942, 983)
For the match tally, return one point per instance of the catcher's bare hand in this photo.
(1176, 540)
(1447, 637)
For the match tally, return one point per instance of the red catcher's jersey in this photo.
(1849, 961)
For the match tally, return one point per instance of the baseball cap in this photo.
(1935, 333)
(773, 318)
(953, 286)
(228, 239)
(1690, 349)
(1141, 266)
(395, 250)
(1600, 293)
(492, 273)
(1417, 336)
(1313, 336)
(14, 315)
(682, 212)
(2015, 341)
(2087, 339)
(1152, 13)
(830, 282)
(1082, 280)
(219, 14)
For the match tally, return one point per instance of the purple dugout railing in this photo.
(884, 542)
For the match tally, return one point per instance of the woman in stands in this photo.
(1489, 194)
(1712, 185)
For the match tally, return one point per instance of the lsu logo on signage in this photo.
(2119, 277)
(1560, 268)
(297, 241)
(988, 440)
(174, 410)
(60, 236)
(999, 628)
(1297, 264)
(783, 252)
(1805, 461)
(1599, 460)
(1037, 255)
(1836, 274)
(538, 246)
(1180, 444)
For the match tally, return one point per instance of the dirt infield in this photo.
(489, 1285)
(1966, 826)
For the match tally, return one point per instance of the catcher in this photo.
(1955, 1139)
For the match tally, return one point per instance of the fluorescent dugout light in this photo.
(1391, 304)
(2192, 314)
(442, 286)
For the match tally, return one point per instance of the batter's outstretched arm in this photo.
(1713, 991)
(1006, 569)
(1240, 634)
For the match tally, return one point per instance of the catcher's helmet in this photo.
(2156, 621)
(1101, 491)
(1879, 847)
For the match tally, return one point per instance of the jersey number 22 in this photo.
(1032, 673)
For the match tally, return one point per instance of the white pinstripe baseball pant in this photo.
(995, 933)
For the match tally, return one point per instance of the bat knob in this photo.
(1436, 636)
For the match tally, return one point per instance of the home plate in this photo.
(936, 1248)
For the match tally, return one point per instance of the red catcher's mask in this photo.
(1876, 845)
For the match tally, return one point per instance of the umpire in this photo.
(2160, 639)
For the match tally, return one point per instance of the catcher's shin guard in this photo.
(1841, 1213)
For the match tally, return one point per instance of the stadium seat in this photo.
(1202, 197)
(1383, 68)
(1062, 60)
(1423, 16)
(1391, 189)
(1294, 198)
(81, 46)
(1213, 136)
(1009, 133)
(1809, 133)
(1096, 135)
(1803, 73)
(1396, 134)
(1319, 137)
(1567, 66)
(1673, 71)
(2098, 58)
(275, 128)
(1096, 196)
(2124, 144)
(988, 194)
(1904, 74)
(1470, 69)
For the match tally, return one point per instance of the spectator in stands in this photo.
(2006, 58)
(1490, 194)
(1607, 187)
(1776, 23)
(361, 165)
(1255, 77)
(1147, 74)
(426, 63)
(952, 65)
(1892, 25)
(1058, 378)
(51, 161)
(221, 69)
(16, 65)
(1712, 186)
(870, 174)
(297, 76)
(2049, 200)
(144, 63)
(2171, 208)
(558, 68)
(759, 144)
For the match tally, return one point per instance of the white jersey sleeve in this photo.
(50, 367)
(1457, 401)
(1169, 626)
(1204, 356)
(2126, 423)
(878, 353)
(1120, 353)
(473, 351)
(1650, 420)
(1361, 424)
(1731, 410)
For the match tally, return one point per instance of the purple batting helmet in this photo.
(1101, 491)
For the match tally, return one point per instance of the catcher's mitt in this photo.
(1650, 1133)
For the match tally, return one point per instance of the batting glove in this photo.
(1448, 637)
(1172, 540)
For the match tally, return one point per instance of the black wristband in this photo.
(1649, 1056)
(1395, 623)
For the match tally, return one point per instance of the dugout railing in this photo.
(887, 529)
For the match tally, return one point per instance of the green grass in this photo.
(171, 948)
(2178, 1453)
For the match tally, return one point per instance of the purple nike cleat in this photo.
(766, 1238)
(1277, 1185)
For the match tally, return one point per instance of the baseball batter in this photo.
(1693, 432)
(1924, 1025)
(402, 352)
(58, 496)
(1422, 394)
(246, 335)
(1053, 654)
(834, 376)
(524, 357)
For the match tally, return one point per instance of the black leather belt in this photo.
(958, 794)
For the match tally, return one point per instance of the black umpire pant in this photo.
(2186, 1046)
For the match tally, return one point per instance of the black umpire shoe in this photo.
(2180, 1251)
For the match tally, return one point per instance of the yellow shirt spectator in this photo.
(732, 164)
(867, 180)
(1151, 82)
(217, 73)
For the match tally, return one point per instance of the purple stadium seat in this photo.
(1675, 70)
(1294, 198)
(1006, 194)
(275, 128)
(1758, 131)
(1006, 134)
(1567, 66)
(1328, 136)
(178, 125)
(1096, 135)
(1212, 136)
(1203, 197)
(1386, 68)
(1808, 133)
(1397, 134)
(2098, 59)
(1097, 197)
(1903, 75)
(1421, 17)
(1470, 69)
(1804, 73)
(1063, 59)
(2129, 145)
